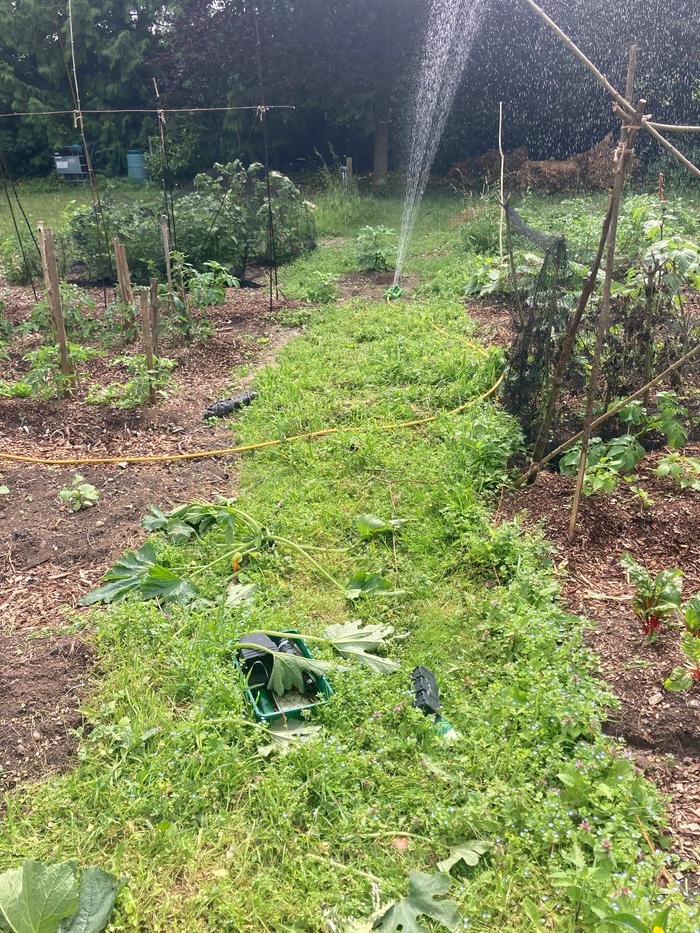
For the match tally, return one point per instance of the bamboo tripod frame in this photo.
(633, 121)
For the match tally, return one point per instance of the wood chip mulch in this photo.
(663, 729)
(49, 557)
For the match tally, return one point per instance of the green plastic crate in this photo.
(269, 708)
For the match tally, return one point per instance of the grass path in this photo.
(169, 788)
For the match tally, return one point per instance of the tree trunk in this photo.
(381, 144)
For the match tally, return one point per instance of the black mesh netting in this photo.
(540, 317)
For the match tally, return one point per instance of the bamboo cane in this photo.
(610, 413)
(627, 140)
(625, 106)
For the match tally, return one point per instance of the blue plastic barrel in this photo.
(136, 165)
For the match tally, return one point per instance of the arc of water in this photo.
(452, 25)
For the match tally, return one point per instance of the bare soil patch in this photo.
(370, 285)
(663, 729)
(49, 556)
(40, 688)
(495, 322)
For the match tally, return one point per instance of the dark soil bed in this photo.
(49, 556)
(370, 285)
(662, 728)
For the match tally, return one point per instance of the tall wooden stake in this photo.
(154, 315)
(166, 251)
(503, 173)
(627, 140)
(53, 291)
(148, 343)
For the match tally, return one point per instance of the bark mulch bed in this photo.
(662, 729)
(49, 557)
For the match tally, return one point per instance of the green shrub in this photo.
(479, 233)
(12, 262)
(78, 307)
(321, 288)
(375, 248)
(135, 391)
(206, 288)
(44, 378)
(225, 219)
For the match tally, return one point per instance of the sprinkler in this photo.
(392, 293)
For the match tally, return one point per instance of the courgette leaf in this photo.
(36, 897)
(354, 640)
(363, 584)
(288, 671)
(422, 900)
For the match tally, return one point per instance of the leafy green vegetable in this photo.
(240, 594)
(691, 615)
(683, 678)
(679, 680)
(656, 597)
(354, 640)
(79, 495)
(283, 736)
(288, 671)
(422, 900)
(138, 571)
(364, 583)
(369, 526)
(38, 898)
(468, 852)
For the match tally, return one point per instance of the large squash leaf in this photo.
(138, 571)
(369, 526)
(288, 671)
(364, 583)
(126, 575)
(422, 900)
(354, 640)
(162, 584)
(98, 891)
(36, 897)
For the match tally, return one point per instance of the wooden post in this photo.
(627, 140)
(503, 174)
(348, 167)
(148, 343)
(124, 278)
(53, 291)
(166, 250)
(154, 316)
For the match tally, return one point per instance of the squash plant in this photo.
(39, 898)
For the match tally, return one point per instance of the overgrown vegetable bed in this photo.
(170, 788)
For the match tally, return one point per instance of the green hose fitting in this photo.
(391, 294)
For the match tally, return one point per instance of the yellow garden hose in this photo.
(226, 451)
